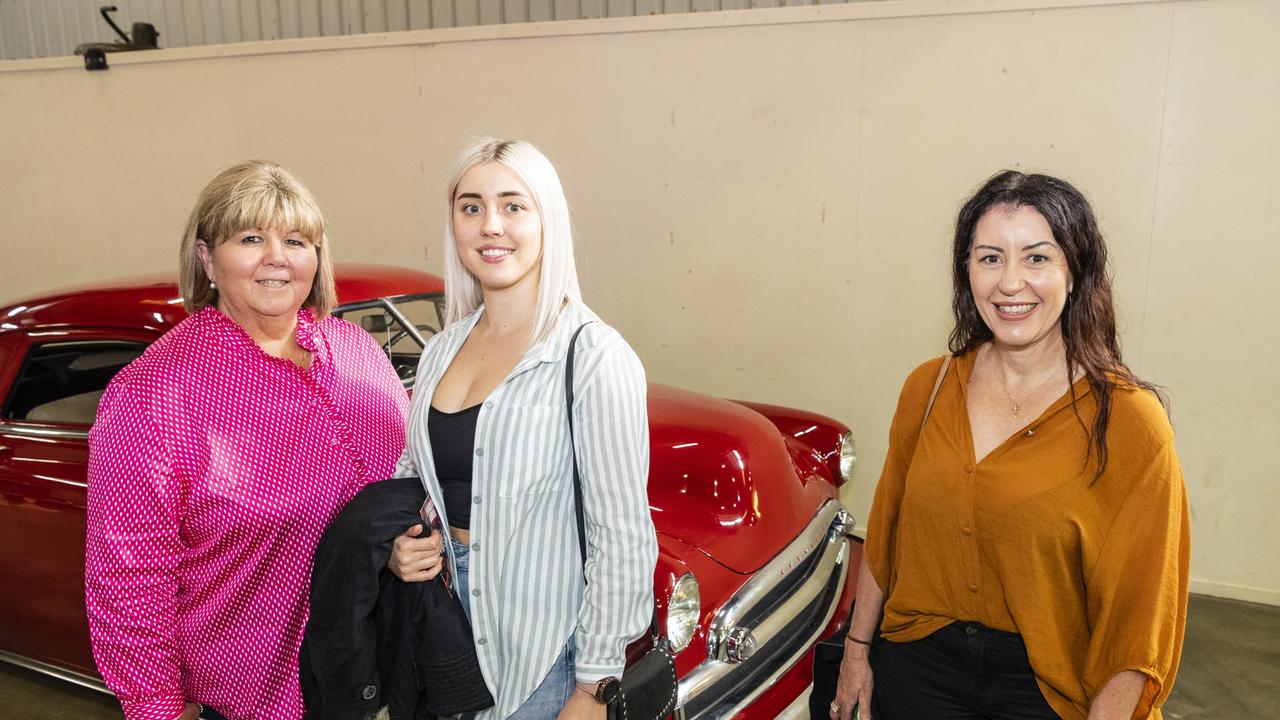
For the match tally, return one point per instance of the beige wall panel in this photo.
(98, 172)
(1213, 315)
(102, 169)
(711, 198)
(349, 124)
(947, 102)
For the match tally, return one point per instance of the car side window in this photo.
(61, 382)
(387, 320)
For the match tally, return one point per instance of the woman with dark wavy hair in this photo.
(1028, 544)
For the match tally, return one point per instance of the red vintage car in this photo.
(754, 547)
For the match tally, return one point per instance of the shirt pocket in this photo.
(529, 453)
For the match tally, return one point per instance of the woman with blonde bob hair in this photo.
(252, 194)
(489, 434)
(219, 456)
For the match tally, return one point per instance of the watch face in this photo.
(608, 690)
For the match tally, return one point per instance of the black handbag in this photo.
(648, 689)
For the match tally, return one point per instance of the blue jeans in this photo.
(553, 692)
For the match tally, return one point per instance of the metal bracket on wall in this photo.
(143, 37)
(95, 59)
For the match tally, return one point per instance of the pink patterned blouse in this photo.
(213, 470)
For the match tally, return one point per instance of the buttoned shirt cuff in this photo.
(595, 673)
(161, 708)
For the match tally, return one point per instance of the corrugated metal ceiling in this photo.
(44, 28)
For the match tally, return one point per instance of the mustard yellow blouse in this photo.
(1091, 572)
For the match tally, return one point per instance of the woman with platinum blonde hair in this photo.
(219, 456)
(490, 436)
(558, 276)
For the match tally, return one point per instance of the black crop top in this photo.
(453, 437)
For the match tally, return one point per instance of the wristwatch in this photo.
(605, 691)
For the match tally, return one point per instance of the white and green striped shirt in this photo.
(527, 595)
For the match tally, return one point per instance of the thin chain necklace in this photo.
(1016, 405)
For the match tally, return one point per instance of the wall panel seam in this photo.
(1155, 193)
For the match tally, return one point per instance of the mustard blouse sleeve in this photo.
(1137, 589)
(882, 522)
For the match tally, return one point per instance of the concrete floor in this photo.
(1230, 662)
(1230, 670)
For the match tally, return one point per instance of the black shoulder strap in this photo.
(573, 447)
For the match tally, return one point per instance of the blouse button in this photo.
(482, 641)
(475, 547)
(966, 530)
(488, 403)
(476, 500)
(479, 452)
(968, 468)
(1031, 432)
(475, 592)
(973, 588)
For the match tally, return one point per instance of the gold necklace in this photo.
(1016, 404)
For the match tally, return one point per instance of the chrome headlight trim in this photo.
(848, 456)
(683, 611)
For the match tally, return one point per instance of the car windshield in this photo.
(401, 325)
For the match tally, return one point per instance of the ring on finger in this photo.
(835, 708)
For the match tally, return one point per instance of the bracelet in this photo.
(851, 638)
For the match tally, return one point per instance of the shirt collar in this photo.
(548, 349)
(964, 368)
(556, 344)
(307, 332)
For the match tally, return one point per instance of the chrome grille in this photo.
(785, 606)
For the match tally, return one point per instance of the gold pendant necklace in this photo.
(1016, 404)
(1029, 393)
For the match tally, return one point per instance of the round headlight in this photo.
(683, 612)
(848, 456)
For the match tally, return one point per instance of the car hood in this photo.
(721, 479)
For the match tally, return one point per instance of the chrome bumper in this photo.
(783, 608)
(71, 676)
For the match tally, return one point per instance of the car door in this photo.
(50, 383)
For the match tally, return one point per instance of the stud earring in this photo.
(213, 285)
